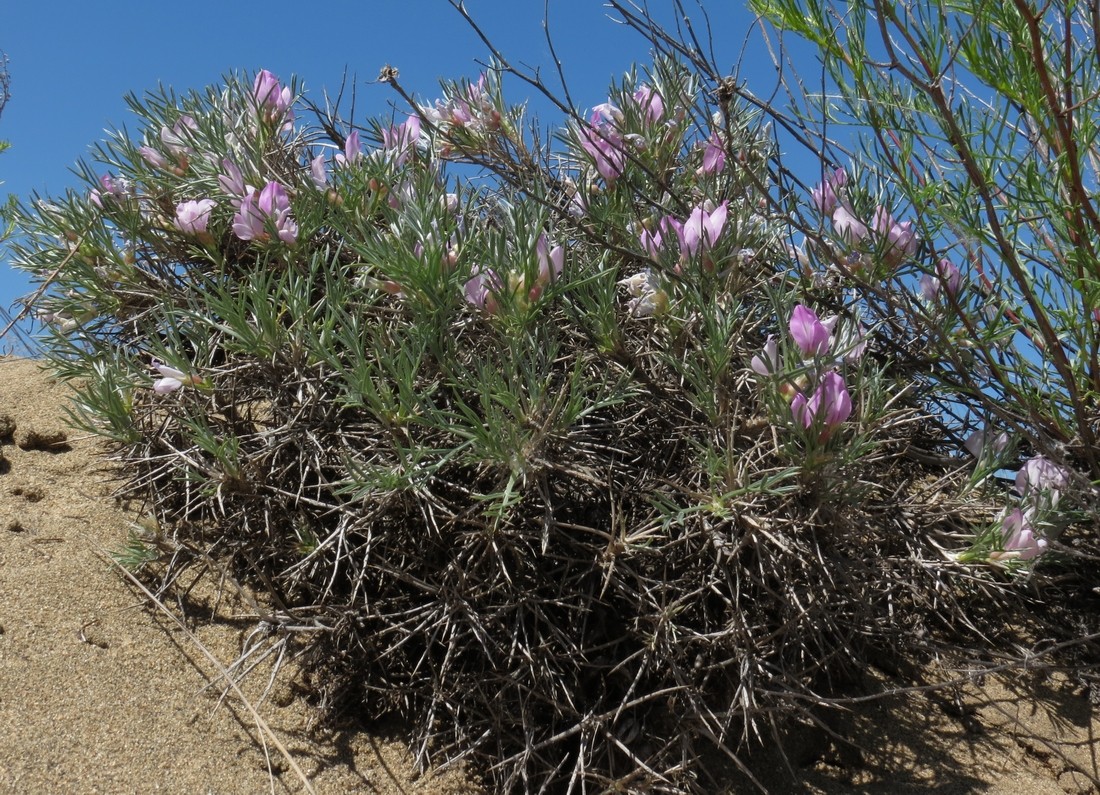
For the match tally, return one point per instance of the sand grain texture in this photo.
(99, 694)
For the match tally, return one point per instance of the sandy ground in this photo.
(102, 693)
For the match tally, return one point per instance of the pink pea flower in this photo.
(193, 216)
(810, 335)
(273, 100)
(352, 150)
(701, 230)
(825, 197)
(1039, 475)
(651, 241)
(482, 289)
(850, 229)
(606, 114)
(318, 172)
(947, 276)
(109, 188)
(258, 209)
(651, 103)
(232, 182)
(900, 239)
(551, 260)
(155, 158)
(714, 156)
(769, 363)
(402, 139)
(176, 140)
(1019, 538)
(604, 144)
(470, 109)
(978, 442)
(829, 405)
(172, 379)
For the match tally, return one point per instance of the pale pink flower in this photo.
(109, 188)
(1039, 476)
(769, 363)
(947, 275)
(651, 103)
(352, 150)
(232, 181)
(482, 289)
(714, 156)
(825, 197)
(172, 379)
(829, 405)
(1019, 539)
(273, 100)
(193, 216)
(177, 139)
(154, 158)
(604, 144)
(551, 260)
(651, 242)
(900, 239)
(850, 229)
(258, 209)
(810, 335)
(701, 230)
(985, 439)
(402, 139)
(318, 172)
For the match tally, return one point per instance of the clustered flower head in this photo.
(466, 117)
(193, 216)
(270, 206)
(695, 234)
(900, 239)
(603, 142)
(602, 138)
(1019, 541)
(258, 212)
(897, 242)
(1039, 483)
(485, 287)
(825, 197)
(1042, 480)
(401, 140)
(273, 100)
(829, 404)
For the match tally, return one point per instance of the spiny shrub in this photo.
(555, 450)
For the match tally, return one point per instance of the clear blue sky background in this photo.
(72, 64)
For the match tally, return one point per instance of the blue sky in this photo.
(71, 66)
